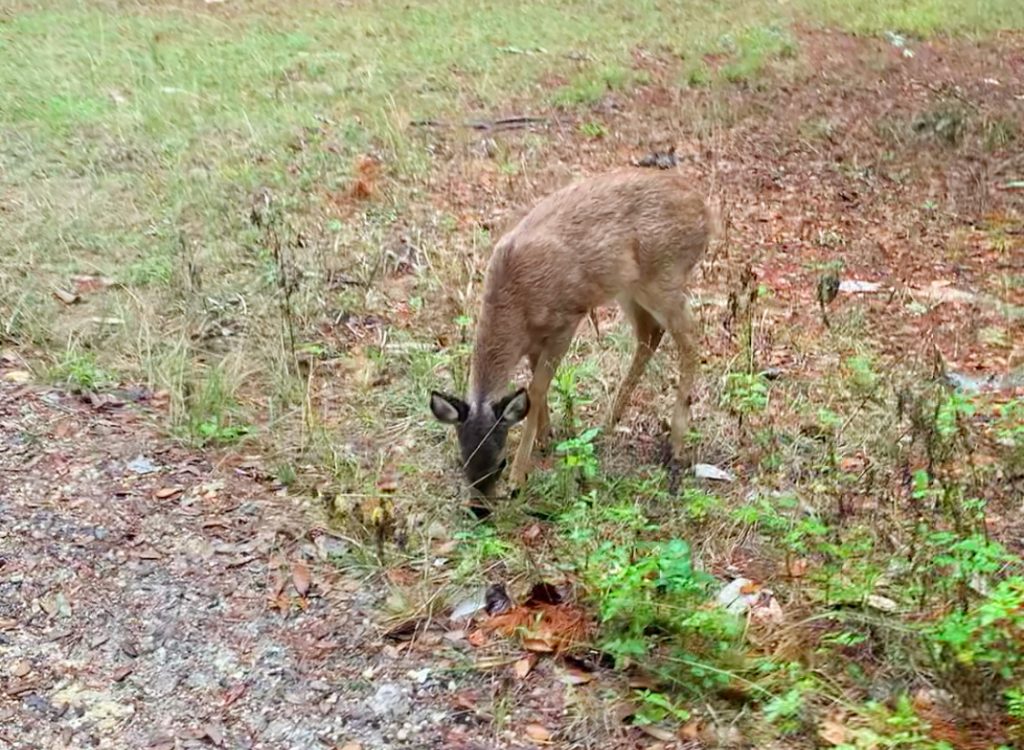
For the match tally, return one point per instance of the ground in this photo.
(241, 245)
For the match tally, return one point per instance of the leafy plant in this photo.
(745, 393)
(578, 454)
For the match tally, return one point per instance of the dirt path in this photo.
(141, 604)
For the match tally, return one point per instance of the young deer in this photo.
(629, 235)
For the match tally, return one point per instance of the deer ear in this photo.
(513, 408)
(448, 409)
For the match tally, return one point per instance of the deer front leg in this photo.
(537, 417)
(684, 331)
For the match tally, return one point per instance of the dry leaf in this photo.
(833, 732)
(18, 377)
(577, 676)
(388, 481)
(167, 492)
(522, 667)
(68, 298)
(63, 429)
(20, 668)
(532, 533)
(350, 746)
(658, 733)
(300, 577)
(537, 732)
(540, 645)
(798, 567)
(121, 672)
(691, 730)
(477, 638)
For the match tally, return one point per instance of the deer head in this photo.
(482, 431)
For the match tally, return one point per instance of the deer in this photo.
(632, 236)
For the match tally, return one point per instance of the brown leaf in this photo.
(233, 694)
(350, 746)
(833, 732)
(477, 638)
(798, 567)
(63, 429)
(20, 668)
(691, 729)
(167, 492)
(68, 298)
(121, 672)
(300, 577)
(540, 645)
(522, 667)
(91, 283)
(577, 676)
(537, 732)
(532, 533)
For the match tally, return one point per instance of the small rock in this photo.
(20, 668)
(390, 701)
(141, 465)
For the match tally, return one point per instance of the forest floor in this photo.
(226, 518)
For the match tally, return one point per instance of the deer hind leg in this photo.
(683, 328)
(648, 336)
(543, 372)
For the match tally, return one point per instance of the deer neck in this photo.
(500, 344)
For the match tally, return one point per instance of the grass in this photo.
(297, 266)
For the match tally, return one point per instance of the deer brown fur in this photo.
(633, 236)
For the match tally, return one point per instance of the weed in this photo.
(752, 49)
(80, 372)
(594, 130)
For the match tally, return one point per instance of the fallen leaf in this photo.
(469, 607)
(167, 492)
(532, 533)
(853, 286)
(708, 471)
(477, 638)
(658, 733)
(882, 603)
(539, 645)
(388, 481)
(497, 600)
(300, 577)
(18, 377)
(522, 667)
(233, 694)
(141, 465)
(121, 672)
(63, 429)
(68, 298)
(798, 567)
(537, 732)
(576, 676)
(833, 732)
(691, 729)
(20, 668)
(350, 746)
(544, 593)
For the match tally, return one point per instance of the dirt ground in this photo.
(149, 597)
